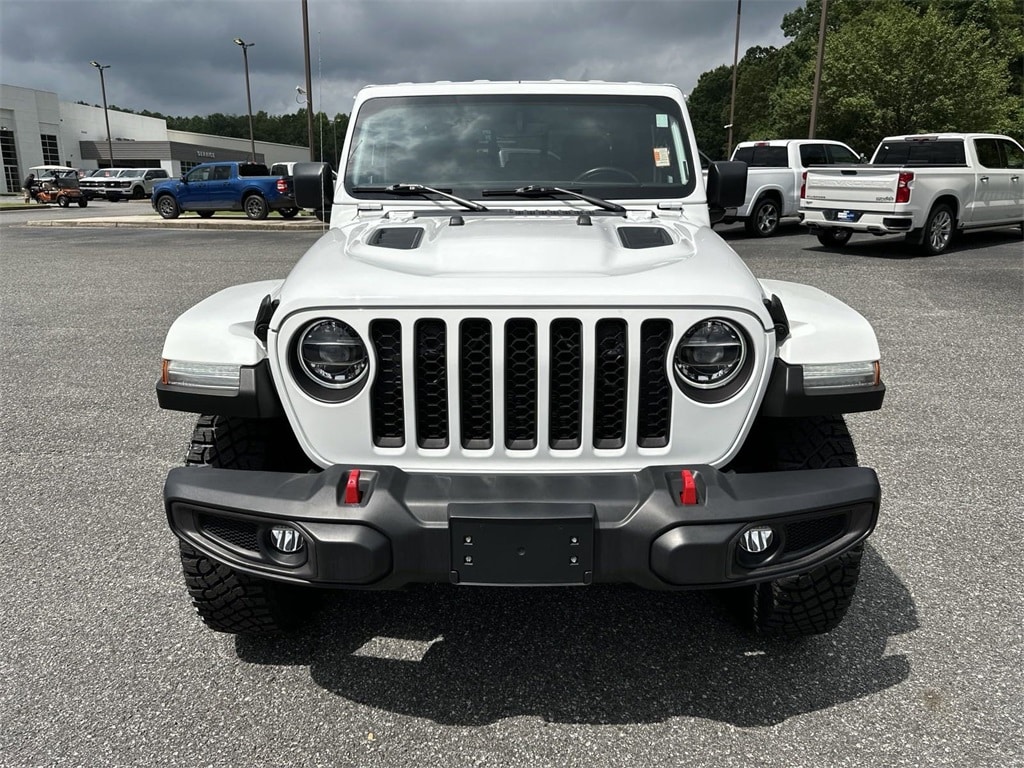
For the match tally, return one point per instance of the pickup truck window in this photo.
(253, 169)
(999, 153)
(763, 157)
(921, 152)
(839, 154)
(813, 154)
(608, 145)
(200, 174)
(222, 173)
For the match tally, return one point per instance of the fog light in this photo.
(756, 540)
(286, 539)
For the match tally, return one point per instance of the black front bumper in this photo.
(521, 529)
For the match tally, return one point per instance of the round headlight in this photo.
(332, 354)
(710, 354)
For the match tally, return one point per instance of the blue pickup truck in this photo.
(229, 186)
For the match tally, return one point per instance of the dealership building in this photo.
(36, 128)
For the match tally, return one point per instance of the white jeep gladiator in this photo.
(521, 356)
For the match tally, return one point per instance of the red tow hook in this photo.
(352, 495)
(688, 495)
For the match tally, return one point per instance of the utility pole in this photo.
(309, 81)
(106, 118)
(735, 62)
(248, 95)
(818, 67)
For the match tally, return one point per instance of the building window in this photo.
(187, 166)
(10, 157)
(51, 156)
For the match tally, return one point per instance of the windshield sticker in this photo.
(661, 157)
(661, 121)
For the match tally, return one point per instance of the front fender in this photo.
(219, 329)
(822, 329)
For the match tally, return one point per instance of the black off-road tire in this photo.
(256, 207)
(234, 602)
(288, 213)
(138, 193)
(834, 237)
(83, 202)
(763, 220)
(228, 600)
(814, 602)
(167, 207)
(62, 201)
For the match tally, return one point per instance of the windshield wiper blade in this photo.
(419, 189)
(535, 191)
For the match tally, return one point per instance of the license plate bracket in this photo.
(522, 544)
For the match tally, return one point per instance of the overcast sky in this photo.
(177, 56)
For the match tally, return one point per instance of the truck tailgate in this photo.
(860, 187)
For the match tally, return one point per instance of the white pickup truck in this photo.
(773, 179)
(927, 187)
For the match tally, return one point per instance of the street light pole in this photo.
(106, 117)
(248, 95)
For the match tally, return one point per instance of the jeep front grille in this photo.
(490, 388)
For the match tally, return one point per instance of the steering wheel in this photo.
(586, 175)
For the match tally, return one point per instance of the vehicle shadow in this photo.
(600, 655)
(896, 247)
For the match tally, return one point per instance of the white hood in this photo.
(519, 259)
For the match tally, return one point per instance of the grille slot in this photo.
(237, 533)
(655, 398)
(431, 384)
(611, 368)
(476, 384)
(605, 386)
(387, 409)
(520, 384)
(566, 385)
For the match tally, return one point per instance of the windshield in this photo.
(609, 146)
(131, 172)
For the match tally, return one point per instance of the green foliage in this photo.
(891, 66)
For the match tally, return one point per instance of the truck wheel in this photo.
(816, 601)
(288, 213)
(167, 207)
(256, 207)
(225, 599)
(763, 220)
(939, 229)
(138, 193)
(83, 202)
(62, 201)
(834, 238)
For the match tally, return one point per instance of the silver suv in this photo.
(124, 183)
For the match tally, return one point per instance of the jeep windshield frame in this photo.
(608, 146)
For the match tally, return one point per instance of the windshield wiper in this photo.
(535, 191)
(419, 189)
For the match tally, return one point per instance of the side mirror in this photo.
(726, 187)
(184, 178)
(313, 186)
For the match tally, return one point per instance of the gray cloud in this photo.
(178, 58)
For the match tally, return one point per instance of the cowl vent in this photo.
(643, 237)
(399, 238)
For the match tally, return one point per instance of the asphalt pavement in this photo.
(104, 663)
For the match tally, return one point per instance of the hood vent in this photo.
(643, 237)
(399, 238)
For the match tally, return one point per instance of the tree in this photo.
(893, 71)
(708, 105)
